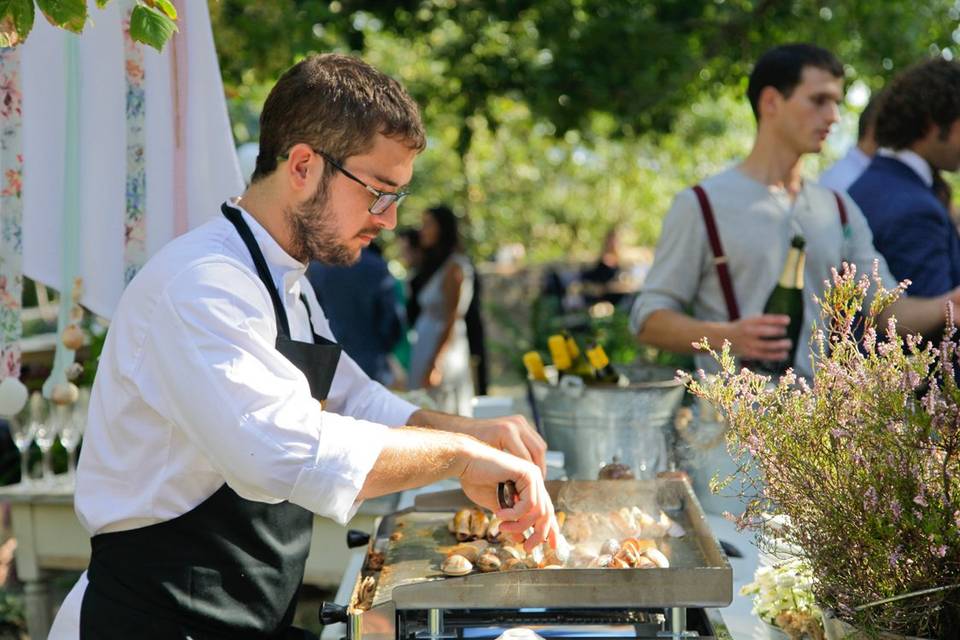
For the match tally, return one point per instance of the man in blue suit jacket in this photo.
(918, 130)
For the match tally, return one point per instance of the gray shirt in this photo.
(755, 223)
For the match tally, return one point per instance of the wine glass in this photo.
(23, 428)
(46, 435)
(72, 430)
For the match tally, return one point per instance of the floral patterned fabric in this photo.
(11, 213)
(134, 229)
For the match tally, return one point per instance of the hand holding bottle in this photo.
(761, 337)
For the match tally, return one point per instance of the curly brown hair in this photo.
(927, 94)
(337, 104)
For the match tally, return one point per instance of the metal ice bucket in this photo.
(594, 424)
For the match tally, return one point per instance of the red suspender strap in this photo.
(719, 259)
(842, 209)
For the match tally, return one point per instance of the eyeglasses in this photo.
(382, 199)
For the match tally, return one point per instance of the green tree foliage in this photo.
(152, 21)
(550, 120)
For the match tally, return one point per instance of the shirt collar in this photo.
(858, 157)
(285, 270)
(912, 160)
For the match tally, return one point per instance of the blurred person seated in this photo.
(844, 172)
(361, 303)
(901, 193)
(600, 280)
(440, 361)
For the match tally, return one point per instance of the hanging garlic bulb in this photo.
(72, 337)
(74, 371)
(64, 393)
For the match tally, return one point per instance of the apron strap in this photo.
(317, 338)
(719, 259)
(233, 215)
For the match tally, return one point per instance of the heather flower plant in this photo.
(863, 461)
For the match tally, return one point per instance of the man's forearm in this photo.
(926, 316)
(440, 421)
(413, 457)
(675, 331)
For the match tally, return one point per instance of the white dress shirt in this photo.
(913, 160)
(191, 394)
(845, 171)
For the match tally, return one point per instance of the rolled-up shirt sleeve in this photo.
(674, 277)
(210, 367)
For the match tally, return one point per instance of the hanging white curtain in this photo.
(183, 104)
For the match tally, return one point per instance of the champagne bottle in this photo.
(579, 365)
(534, 364)
(605, 373)
(558, 352)
(787, 299)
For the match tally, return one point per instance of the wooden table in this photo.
(49, 537)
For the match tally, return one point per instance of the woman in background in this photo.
(440, 361)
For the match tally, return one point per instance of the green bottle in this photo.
(559, 354)
(579, 365)
(606, 374)
(787, 300)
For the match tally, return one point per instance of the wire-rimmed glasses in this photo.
(382, 200)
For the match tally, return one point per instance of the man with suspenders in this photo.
(724, 242)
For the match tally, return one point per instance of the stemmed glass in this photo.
(72, 430)
(23, 429)
(46, 435)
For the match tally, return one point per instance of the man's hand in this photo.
(512, 434)
(486, 467)
(761, 337)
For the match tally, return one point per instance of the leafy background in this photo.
(550, 120)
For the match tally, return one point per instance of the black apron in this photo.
(229, 568)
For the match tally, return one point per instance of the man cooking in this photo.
(223, 415)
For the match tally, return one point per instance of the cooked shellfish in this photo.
(493, 530)
(456, 565)
(478, 524)
(610, 547)
(461, 525)
(469, 550)
(488, 562)
(657, 557)
(510, 552)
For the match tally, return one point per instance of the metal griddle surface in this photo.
(699, 575)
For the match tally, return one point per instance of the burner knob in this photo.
(357, 538)
(332, 613)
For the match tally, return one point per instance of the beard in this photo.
(313, 231)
